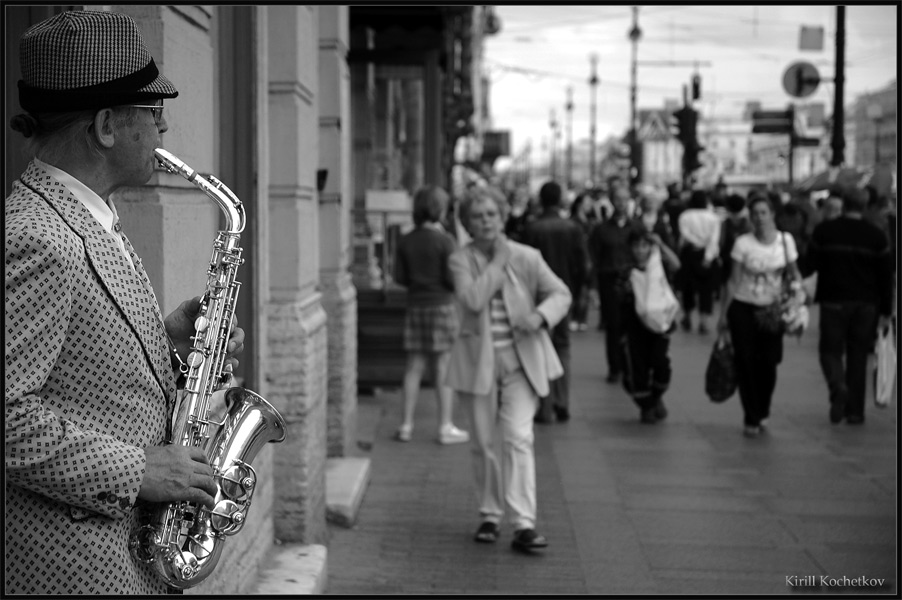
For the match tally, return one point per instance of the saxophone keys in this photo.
(201, 324)
(195, 359)
(227, 518)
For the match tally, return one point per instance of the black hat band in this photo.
(124, 90)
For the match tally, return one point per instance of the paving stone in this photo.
(685, 507)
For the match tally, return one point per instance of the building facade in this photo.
(875, 129)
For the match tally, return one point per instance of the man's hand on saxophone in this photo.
(177, 473)
(180, 327)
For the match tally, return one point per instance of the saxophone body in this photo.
(184, 540)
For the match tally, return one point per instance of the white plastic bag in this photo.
(885, 351)
(656, 304)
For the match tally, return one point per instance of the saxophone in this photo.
(183, 540)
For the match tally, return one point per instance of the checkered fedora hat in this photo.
(82, 60)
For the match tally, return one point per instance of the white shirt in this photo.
(104, 214)
(701, 228)
(761, 267)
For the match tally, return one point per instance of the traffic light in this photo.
(696, 87)
(687, 123)
(690, 158)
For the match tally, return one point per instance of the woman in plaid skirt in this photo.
(432, 321)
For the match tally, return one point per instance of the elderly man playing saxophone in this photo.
(502, 361)
(90, 380)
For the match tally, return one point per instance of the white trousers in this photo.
(508, 409)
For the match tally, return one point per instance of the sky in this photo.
(742, 51)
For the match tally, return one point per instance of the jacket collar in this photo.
(116, 275)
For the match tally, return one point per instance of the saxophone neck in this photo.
(216, 190)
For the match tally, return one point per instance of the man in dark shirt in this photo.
(563, 246)
(852, 259)
(611, 256)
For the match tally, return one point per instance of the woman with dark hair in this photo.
(582, 211)
(431, 321)
(759, 260)
(735, 224)
(700, 246)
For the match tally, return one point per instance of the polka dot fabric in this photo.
(88, 385)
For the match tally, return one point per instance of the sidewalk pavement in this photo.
(685, 506)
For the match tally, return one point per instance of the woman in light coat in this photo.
(502, 360)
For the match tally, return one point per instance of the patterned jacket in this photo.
(88, 385)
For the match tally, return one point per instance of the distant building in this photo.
(874, 121)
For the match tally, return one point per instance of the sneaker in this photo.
(686, 323)
(837, 411)
(660, 410)
(528, 539)
(648, 417)
(449, 434)
(574, 326)
(404, 433)
(562, 414)
(751, 431)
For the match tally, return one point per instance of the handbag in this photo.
(885, 350)
(788, 313)
(720, 375)
(656, 305)
(521, 304)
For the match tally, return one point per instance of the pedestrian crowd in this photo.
(494, 308)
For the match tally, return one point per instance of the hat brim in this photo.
(160, 87)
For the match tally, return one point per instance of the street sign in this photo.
(811, 38)
(801, 79)
(772, 121)
(805, 141)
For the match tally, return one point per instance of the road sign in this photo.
(801, 79)
(805, 141)
(772, 121)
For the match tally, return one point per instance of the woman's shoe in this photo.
(528, 539)
(404, 433)
(487, 533)
(449, 434)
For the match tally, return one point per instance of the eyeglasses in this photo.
(156, 109)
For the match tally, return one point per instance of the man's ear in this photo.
(104, 128)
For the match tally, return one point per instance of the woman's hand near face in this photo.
(501, 251)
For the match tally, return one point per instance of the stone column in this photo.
(335, 202)
(297, 365)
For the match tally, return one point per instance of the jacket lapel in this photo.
(129, 292)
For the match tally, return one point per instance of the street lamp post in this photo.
(593, 84)
(553, 124)
(569, 107)
(634, 34)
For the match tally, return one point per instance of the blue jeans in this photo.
(848, 330)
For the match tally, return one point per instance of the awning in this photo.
(881, 178)
(839, 177)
